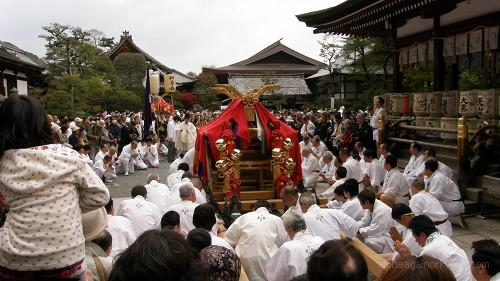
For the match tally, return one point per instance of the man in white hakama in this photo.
(327, 172)
(121, 230)
(326, 223)
(416, 159)
(373, 172)
(150, 154)
(185, 209)
(404, 215)
(430, 153)
(375, 225)
(105, 169)
(291, 258)
(438, 246)
(318, 147)
(291, 199)
(176, 177)
(103, 150)
(444, 190)
(130, 159)
(306, 143)
(423, 203)
(310, 169)
(340, 178)
(144, 215)
(158, 192)
(352, 166)
(351, 206)
(395, 188)
(185, 134)
(256, 236)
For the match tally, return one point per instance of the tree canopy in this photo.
(82, 79)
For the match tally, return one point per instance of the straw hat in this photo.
(93, 223)
(101, 123)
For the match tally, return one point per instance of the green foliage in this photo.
(472, 79)
(131, 68)
(82, 79)
(369, 57)
(418, 78)
(206, 97)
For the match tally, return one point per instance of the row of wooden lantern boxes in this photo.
(441, 109)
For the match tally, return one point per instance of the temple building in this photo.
(19, 70)
(275, 64)
(126, 45)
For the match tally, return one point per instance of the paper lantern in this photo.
(154, 83)
(169, 83)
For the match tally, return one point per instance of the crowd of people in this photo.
(62, 222)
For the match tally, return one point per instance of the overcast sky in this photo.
(184, 35)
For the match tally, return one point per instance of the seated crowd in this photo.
(62, 223)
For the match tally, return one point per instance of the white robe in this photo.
(353, 169)
(423, 203)
(150, 155)
(374, 228)
(303, 145)
(308, 129)
(130, 159)
(185, 136)
(444, 249)
(329, 169)
(256, 236)
(318, 150)
(122, 232)
(185, 209)
(329, 192)
(219, 241)
(310, 168)
(142, 214)
(410, 242)
(174, 166)
(375, 172)
(395, 184)
(446, 191)
(443, 168)
(327, 223)
(99, 155)
(158, 194)
(102, 170)
(291, 258)
(189, 158)
(295, 209)
(353, 208)
(175, 178)
(411, 168)
(378, 112)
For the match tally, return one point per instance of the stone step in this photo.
(471, 207)
(491, 190)
(473, 194)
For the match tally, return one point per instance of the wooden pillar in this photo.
(397, 77)
(439, 66)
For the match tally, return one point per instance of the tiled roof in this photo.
(290, 84)
(14, 54)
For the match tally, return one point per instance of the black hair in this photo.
(24, 124)
(431, 151)
(107, 158)
(199, 239)
(352, 187)
(400, 210)
(103, 240)
(381, 99)
(183, 166)
(391, 160)
(292, 192)
(422, 224)
(204, 216)
(341, 172)
(366, 196)
(336, 260)
(261, 203)
(158, 255)
(487, 254)
(170, 219)
(370, 153)
(432, 164)
(339, 190)
(138, 190)
(103, 144)
(109, 206)
(416, 145)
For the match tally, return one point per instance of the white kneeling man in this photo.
(144, 215)
(291, 258)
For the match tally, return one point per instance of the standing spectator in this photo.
(49, 186)
(114, 130)
(377, 114)
(364, 132)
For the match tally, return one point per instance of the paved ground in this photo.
(478, 227)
